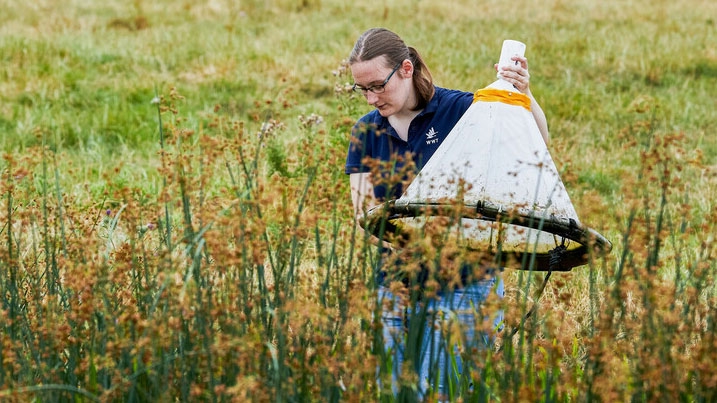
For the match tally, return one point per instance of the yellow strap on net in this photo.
(506, 97)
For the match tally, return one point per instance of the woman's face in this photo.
(397, 84)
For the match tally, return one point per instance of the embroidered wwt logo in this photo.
(431, 136)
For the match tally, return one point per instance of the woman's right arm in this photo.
(363, 199)
(361, 193)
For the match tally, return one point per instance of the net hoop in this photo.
(384, 219)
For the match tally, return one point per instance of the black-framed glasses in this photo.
(378, 88)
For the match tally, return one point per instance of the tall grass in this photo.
(217, 289)
(200, 247)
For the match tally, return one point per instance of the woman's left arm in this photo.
(519, 76)
(540, 119)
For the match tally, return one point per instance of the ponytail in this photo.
(422, 80)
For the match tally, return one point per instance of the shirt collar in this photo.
(382, 122)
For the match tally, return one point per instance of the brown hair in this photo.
(381, 42)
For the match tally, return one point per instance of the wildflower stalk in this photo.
(51, 267)
(168, 226)
(9, 268)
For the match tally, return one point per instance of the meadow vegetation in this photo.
(175, 223)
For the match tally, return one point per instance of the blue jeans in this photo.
(422, 329)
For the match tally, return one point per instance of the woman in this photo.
(411, 118)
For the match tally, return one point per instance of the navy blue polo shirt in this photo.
(372, 136)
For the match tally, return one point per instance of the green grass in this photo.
(219, 261)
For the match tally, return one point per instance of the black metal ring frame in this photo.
(380, 221)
